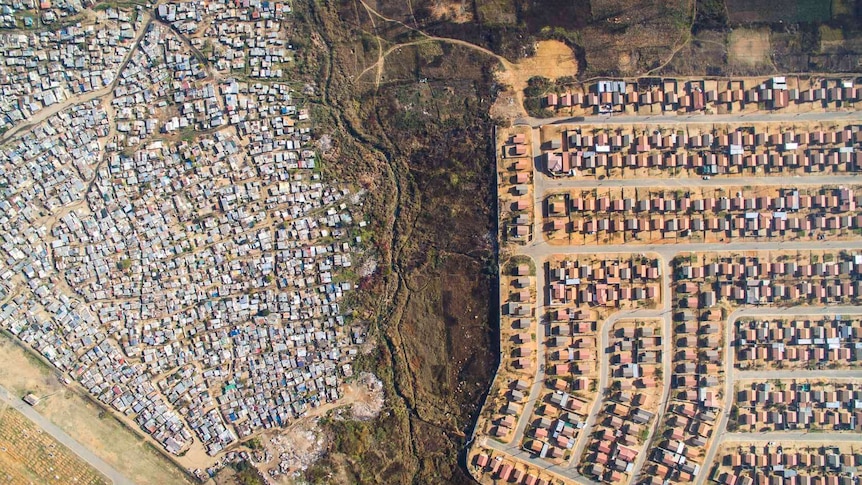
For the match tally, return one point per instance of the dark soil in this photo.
(421, 144)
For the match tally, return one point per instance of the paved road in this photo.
(541, 335)
(817, 116)
(513, 450)
(799, 374)
(785, 437)
(667, 351)
(539, 250)
(110, 472)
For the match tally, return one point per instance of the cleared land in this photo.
(29, 455)
(748, 47)
(553, 59)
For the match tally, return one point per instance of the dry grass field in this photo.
(83, 420)
(29, 455)
(748, 47)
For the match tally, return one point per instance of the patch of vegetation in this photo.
(253, 444)
(711, 15)
(420, 150)
(537, 88)
(246, 474)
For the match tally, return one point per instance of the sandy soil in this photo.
(298, 446)
(553, 60)
(748, 47)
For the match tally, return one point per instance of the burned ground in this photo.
(418, 137)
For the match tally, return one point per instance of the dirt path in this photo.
(428, 38)
(688, 36)
(553, 59)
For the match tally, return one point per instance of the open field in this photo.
(748, 47)
(29, 455)
(768, 11)
(23, 373)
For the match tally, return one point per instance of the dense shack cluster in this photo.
(168, 240)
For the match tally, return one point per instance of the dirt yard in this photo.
(289, 452)
(83, 421)
(748, 48)
(553, 60)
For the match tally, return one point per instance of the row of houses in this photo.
(505, 420)
(604, 282)
(748, 224)
(571, 362)
(692, 96)
(500, 468)
(780, 267)
(691, 417)
(627, 416)
(672, 461)
(766, 281)
(802, 406)
(825, 466)
(518, 352)
(677, 456)
(837, 200)
(827, 341)
(838, 160)
(519, 179)
(556, 426)
(740, 139)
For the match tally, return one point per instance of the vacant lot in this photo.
(29, 455)
(748, 47)
(83, 420)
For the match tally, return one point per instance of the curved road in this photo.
(539, 250)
